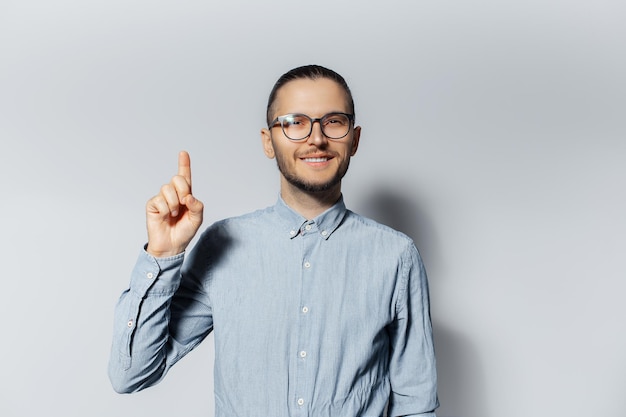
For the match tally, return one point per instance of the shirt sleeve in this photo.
(157, 320)
(412, 367)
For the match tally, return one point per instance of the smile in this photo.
(315, 159)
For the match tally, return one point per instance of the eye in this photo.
(336, 119)
(294, 120)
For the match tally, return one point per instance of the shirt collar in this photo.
(324, 224)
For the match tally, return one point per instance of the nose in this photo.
(317, 136)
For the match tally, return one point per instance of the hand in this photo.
(174, 215)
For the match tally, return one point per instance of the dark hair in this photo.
(312, 72)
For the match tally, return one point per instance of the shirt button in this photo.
(307, 264)
(292, 233)
(307, 227)
(305, 309)
(130, 323)
(324, 232)
(150, 275)
(303, 354)
(300, 402)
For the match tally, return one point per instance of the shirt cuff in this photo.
(156, 276)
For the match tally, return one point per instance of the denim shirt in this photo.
(319, 318)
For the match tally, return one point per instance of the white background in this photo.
(493, 134)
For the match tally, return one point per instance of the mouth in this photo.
(316, 160)
(316, 157)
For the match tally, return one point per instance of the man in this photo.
(316, 311)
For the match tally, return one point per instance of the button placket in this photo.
(310, 237)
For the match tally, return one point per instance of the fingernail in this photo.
(174, 213)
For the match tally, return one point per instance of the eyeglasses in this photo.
(298, 126)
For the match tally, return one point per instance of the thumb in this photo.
(194, 205)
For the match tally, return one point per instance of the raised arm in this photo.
(148, 336)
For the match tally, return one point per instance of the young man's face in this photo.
(315, 163)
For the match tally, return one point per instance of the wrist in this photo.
(163, 253)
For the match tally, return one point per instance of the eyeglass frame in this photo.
(279, 119)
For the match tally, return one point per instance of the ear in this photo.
(268, 146)
(356, 136)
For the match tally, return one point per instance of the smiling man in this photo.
(312, 140)
(316, 311)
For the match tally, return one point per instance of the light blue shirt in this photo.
(320, 318)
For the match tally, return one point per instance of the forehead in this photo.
(312, 97)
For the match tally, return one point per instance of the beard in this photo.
(311, 187)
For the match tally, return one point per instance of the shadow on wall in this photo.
(461, 380)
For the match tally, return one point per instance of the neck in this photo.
(309, 204)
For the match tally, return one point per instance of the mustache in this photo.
(317, 152)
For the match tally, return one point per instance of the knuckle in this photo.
(154, 200)
(180, 182)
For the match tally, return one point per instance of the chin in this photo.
(313, 187)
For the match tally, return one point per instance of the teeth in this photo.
(316, 159)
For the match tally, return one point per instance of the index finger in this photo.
(184, 166)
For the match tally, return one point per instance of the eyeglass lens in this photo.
(299, 126)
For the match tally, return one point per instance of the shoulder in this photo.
(377, 240)
(233, 226)
(371, 228)
(260, 215)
